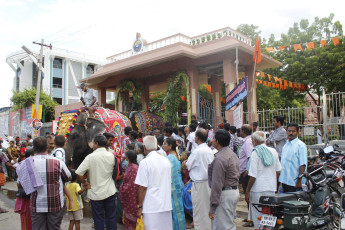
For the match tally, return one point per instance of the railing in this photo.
(152, 46)
(226, 32)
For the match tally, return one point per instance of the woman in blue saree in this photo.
(178, 217)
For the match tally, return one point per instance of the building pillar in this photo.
(251, 100)
(194, 89)
(145, 98)
(216, 85)
(229, 74)
(102, 96)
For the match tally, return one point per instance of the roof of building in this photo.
(179, 46)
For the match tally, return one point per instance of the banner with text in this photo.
(237, 95)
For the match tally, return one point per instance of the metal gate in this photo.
(311, 119)
(205, 111)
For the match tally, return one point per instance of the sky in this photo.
(106, 27)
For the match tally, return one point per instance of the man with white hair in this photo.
(154, 180)
(263, 170)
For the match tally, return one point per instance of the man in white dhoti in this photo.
(263, 170)
(197, 165)
(154, 180)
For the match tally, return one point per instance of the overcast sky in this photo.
(105, 27)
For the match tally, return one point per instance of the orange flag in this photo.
(262, 74)
(297, 47)
(299, 86)
(257, 81)
(273, 85)
(295, 85)
(335, 41)
(282, 47)
(269, 77)
(275, 78)
(290, 84)
(285, 84)
(323, 43)
(310, 45)
(265, 83)
(269, 84)
(260, 81)
(269, 49)
(257, 51)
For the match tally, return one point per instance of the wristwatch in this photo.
(138, 206)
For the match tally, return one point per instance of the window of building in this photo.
(58, 100)
(57, 82)
(90, 70)
(57, 63)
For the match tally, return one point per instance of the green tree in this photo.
(319, 67)
(26, 98)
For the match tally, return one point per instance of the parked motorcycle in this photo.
(316, 208)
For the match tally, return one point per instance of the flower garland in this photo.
(132, 86)
(63, 115)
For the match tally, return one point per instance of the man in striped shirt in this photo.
(48, 200)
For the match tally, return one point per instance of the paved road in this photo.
(11, 220)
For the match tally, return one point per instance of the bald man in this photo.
(197, 165)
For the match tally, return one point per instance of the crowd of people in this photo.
(146, 181)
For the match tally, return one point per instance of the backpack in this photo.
(117, 170)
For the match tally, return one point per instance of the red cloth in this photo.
(129, 196)
(22, 207)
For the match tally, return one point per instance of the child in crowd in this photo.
(184, 171)
(59, 143)
(75, 211)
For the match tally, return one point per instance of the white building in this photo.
(62, 70)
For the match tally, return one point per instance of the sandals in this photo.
(249, 224)
(190, 226)
(3, 210)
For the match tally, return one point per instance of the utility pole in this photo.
(38, 87)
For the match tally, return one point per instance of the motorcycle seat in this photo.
(276, 198)
(329, 173)
(301, 195)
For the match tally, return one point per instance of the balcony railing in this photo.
(226, 32)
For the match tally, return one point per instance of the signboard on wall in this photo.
(309, 131)
(238, 116)
(237, 95)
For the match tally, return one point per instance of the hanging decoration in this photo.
(309, 45)
(278, 82)
(66, 122)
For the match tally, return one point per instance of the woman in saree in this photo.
(179, 221)
(129, 191)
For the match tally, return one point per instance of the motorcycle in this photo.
(316, 208)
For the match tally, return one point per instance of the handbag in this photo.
(2, 179)
(140, 224)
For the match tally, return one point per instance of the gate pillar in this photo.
(145, 98)
(252, 100)
(194, 88)
(229, 74)
(216, 85)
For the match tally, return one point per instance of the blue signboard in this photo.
(237, 95)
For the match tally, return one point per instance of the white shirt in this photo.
(155, 173)
(100, 165)
(191, 139)
(198, 162)
(162, 152)
(60, 154)
(319, 136)
(266, 177)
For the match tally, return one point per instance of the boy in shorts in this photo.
(75, 213)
